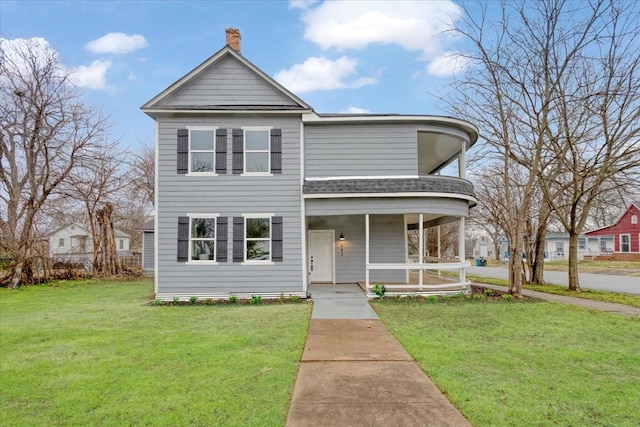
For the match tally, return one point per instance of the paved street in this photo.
(601, 282)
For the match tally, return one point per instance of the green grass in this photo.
(95, 353)
(631, 300)
(525, 363)
(598, 267)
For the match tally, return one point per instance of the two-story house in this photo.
(73, 242)
(257, 194)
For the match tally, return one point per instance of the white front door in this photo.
(321, 256)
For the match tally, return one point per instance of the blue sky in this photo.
(380, 56)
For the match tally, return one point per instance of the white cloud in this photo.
(301, 4)
(320, 73)
(117, 43)
(414, 25)
(19, 52)
(447, 64)
(92, 76)
(356, 110)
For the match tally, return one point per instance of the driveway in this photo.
(600, 282)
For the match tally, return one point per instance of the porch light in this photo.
(341, 236)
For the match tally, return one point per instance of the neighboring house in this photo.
(624, 234)
(73, 242)
(148, 248)
(257, 194)
(557, 246)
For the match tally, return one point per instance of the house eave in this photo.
(468, 128)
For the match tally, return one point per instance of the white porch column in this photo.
(439, 252)
(462, 167)
(461, 249)
(420, 249)
(366, 251)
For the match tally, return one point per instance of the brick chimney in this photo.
(233, 38)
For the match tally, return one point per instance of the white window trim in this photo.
(634, 219)
(209, 128)
(628, 243)
(258, 262)
(215, 241)
(583, 246)
(244, 150)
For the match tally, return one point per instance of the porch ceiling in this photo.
(436, 150)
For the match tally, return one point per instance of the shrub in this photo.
(379, 290)
(193, 299)
(176, 300)
(478, 297)
(157, 301)
(446, 297)
(294, 298)
(209, 301)
(458, 295)
(488, 292)
(233, 299)
(281, 298)
(255, 299)
(507, 297)
(432, 298)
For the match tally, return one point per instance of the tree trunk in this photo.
(574, 280)
(538, 263)
(108, 259)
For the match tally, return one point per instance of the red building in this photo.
(625, 232)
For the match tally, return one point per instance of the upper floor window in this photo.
(257, 150)
(201, 150)
(634, 219)
(61, 243)
(121, 244)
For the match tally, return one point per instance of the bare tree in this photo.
(595, 133)
(144, 172)
(45, 127)
(519, 65)
(97, 180)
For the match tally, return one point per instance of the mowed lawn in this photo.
(95, 353)
(525, 363)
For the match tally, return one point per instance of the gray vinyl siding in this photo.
(386, 245)
(147, 251)
(231, 196)
(388, 205)
(227, 82)
(361, 149)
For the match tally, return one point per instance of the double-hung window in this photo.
(257, 239)
(625, 243)
(202, 150)
(257, 231)
(202, 238)
(257, 150)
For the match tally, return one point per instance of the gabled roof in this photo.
(635, 203)
(154, 104)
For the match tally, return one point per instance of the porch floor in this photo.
(429, 279)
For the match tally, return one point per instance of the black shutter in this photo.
(238, 239)
(276, 150)
(238, 151)
(183, 151)
(183, 238)
(221, 151)
(221, 239)
(276, 239)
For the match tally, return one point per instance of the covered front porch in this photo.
(386, 249)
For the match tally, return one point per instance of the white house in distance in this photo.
(73, 242)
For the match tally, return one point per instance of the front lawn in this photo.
(95, 353)
(524, 363)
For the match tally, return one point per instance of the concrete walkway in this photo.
(598, 282)
(610, 307)
(355, 373)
